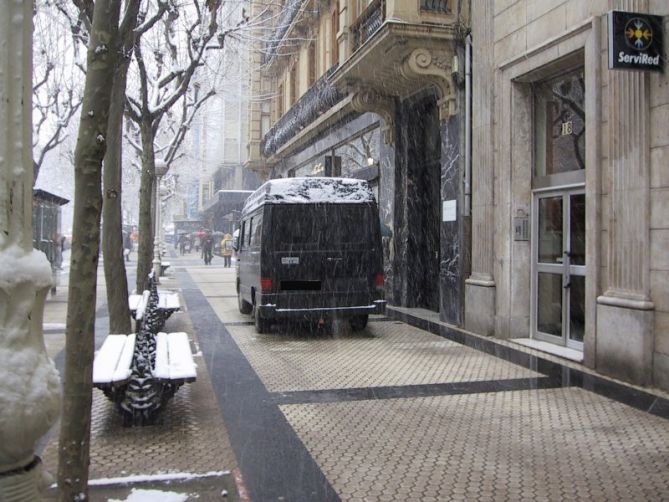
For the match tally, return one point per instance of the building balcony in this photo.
(367, 23)
(393, 59)
(317, 100)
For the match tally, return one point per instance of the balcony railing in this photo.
(318, 99)
(438, 6)
(368, 23)
(290, 10)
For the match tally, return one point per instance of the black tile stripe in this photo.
(411, 391)
(616, 391)
(273, 460)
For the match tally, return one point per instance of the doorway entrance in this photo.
(559, 265)
(423, 154)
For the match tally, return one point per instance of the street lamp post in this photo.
(161, 170)
(30, 400)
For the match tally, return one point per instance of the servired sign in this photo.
(635, 41)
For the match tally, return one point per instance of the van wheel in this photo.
(262, 324)
(359, 322)
(244, 306)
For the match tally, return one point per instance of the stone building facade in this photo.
(372, 90)
(570, 204)
(528, 199)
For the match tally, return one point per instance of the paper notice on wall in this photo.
(449, 210)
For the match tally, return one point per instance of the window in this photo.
(334, 29)
(248, 239)
(293, 84)
(359, 7)
(559, 124)
(312, 63)
(279, 103)
(242, 235)
(264, 118)
(257, 231)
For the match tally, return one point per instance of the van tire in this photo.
(359, 322)
(262, 325)
(244, 306)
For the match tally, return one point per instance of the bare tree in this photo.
(57, 91)
(74, 442)
(167, 79)
(112, 231)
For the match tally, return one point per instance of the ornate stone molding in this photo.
(368, 99)
(435, 66)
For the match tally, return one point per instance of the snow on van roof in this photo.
(310, 190)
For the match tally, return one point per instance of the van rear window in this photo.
(316, 226)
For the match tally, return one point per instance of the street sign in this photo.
(635, 41)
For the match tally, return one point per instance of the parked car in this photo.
(310, 248)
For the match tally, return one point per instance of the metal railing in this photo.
(438, 6)
(318, 99)
(368, 23)
(290, 10)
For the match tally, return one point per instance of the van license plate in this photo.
(290, 260)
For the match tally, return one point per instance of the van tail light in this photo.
(378, 281)
(266, 284)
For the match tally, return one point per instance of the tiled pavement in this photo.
(393, 413)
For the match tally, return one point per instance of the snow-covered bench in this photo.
(163, 267)
(112, 367)
(168, 303)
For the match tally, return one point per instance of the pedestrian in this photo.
(207, 248)
(182, 244)
(127, 245)
(226, 250)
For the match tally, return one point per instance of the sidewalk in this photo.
(410, 409)
(186, 456)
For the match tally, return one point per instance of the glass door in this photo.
(559, 267)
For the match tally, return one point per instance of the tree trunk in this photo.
(112, 222)
(74, 445)
(145, 245)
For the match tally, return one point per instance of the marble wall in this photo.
(453, 254)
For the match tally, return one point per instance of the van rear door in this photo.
(324, 254)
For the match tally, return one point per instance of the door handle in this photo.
(567, 286)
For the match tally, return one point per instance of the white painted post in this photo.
(31, 400)
(161, 170)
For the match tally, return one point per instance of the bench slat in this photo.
(174, 360)
(133, 301)
(162, 364)
(123, 368)
(107, 358)
(182, 366)
(168, 300)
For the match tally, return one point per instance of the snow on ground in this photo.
(142, 478)
(138, 495)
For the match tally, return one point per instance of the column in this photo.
(161, 170)
(480, 286)
(25, 274)
(625, 314)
